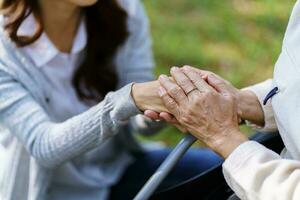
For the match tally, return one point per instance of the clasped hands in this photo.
(201, 103)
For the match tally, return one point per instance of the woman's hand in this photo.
(146, 97)
(210, 115)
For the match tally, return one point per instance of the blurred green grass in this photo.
(238, 39)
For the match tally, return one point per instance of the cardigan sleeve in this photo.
(261, 90)
(52, 143)
(255, 172)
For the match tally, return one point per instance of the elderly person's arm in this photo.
(251, 170)
(260, 92)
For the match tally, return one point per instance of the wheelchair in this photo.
(211, 184)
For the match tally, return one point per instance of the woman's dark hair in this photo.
(106, 28)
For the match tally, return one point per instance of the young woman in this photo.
(67, 69)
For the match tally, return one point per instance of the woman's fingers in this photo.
(168, 118)
(182, 80)
(169, 102)
(172, 89)
(198, 81)
(164, 116)
(152, 114)
(172, 120)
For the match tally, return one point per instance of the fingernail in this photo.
(185, 68)
(209, 76)
(174, 69)
(163, 77)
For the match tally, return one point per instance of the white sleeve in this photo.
(255, 172)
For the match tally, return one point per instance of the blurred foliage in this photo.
(238, 39)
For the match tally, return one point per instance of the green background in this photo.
(238, 39)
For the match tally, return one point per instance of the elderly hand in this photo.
(249, 107)
(209, 114)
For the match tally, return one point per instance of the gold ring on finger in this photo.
(191, 91)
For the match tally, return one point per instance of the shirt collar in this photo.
(43, 50)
